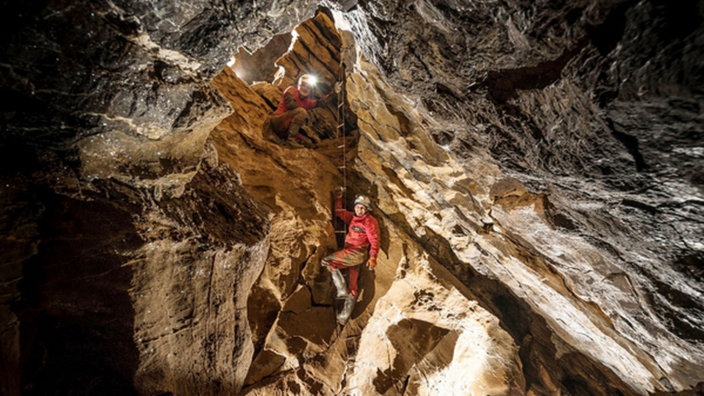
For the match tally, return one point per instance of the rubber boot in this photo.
(292, 141)
(311, 135)
(339, 281)
(302, 139)
(344, 315)
(293, 130)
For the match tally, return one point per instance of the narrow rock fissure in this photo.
(503, 84)
(631, 144)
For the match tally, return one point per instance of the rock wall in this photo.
(125, 241)
(534, 169)
(550, 109)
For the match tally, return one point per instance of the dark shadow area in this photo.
(412, 339)
(630, 143)
(680, 18)
(606, 35)
(367, 290)
(503, 84)
(76, 315)
(574, 372)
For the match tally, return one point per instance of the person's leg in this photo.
(303, 139)
(345, 258)
(269, 132)
(298, 118)
(353, 262)
(287, 125)
(333, 265)
(307, 132)
(353, 275)
(279, 125)
(344, 314)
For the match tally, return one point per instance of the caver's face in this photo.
(304, 89)
(360, 210)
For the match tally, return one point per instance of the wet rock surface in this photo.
(535, 169)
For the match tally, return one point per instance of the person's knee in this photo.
(299, 114)
(276, 126)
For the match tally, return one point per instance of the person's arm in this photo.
(290, 99)
(372, 230)
(340, 211)
(327, 98)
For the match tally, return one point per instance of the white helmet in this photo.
(364, 201)
(308, 79)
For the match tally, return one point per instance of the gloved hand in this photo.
(339, 190)
(338, 87)
(371, 263)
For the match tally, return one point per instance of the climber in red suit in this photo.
(361, 244)
(287, 119)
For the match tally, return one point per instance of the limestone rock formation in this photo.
(535, 169)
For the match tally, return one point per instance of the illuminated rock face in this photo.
(535, 170)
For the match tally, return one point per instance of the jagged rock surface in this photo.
(535, 168)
